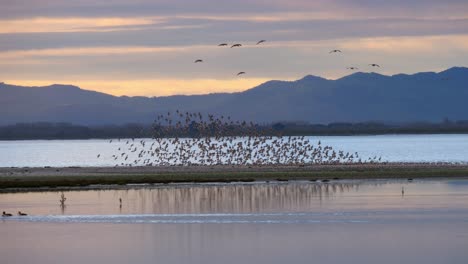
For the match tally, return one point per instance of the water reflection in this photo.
(241, 198)
(368, 222)
(238, 199)
(227, 198)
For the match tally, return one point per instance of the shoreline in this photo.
(44, 179)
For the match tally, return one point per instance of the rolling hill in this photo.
(358, 97)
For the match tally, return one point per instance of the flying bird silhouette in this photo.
(197, 61)
(335, 51)
(240, 73)
(222, 44)
(374, 65)
(261, 41)
(236, 45)
(352, 68)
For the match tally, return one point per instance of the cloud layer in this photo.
(154, 43)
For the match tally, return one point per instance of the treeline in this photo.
(373, 128)
(43, 130)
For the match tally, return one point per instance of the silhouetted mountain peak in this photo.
(362, 76)
(63, 86)
(460, 72)
(264, 87)
(312, 78)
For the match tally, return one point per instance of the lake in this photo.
(355, 221)
(392, 148)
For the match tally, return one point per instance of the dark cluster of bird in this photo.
(184, 138)
(236, 45)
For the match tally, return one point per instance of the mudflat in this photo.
(50, 177)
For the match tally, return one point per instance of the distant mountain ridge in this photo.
(358, 97)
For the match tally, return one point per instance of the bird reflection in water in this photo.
(235, 198)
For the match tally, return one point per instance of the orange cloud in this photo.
(45, 24)
(94, 51)
(412, 44)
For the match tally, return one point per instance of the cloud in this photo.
(93, 42)
(78, 24)
(135, 8)
(202, 31)
(91, 51)
(405, 45)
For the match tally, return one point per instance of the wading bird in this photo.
(197, 61)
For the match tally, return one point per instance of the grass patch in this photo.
(55, 181)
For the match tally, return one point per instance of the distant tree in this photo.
(278, 127)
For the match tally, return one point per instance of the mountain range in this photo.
(359, 97)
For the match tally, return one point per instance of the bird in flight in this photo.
(240, 73)
(261, 41)
(222, 44)
(374, 65)
(197, 61)
(236, 45)
(335, 51)
(352, 68)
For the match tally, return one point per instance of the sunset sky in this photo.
(143, 47)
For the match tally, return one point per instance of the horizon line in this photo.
(229, 92)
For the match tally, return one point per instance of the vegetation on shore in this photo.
(44, 130)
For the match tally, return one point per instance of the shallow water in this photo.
(295, 222)
(392, 148)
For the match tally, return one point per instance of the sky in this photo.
(148, 48)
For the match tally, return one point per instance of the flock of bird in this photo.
(183, 139)
(353, 68)
(236, 45)
(194, 139)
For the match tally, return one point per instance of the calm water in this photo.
(395, 148)
(296, 222)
